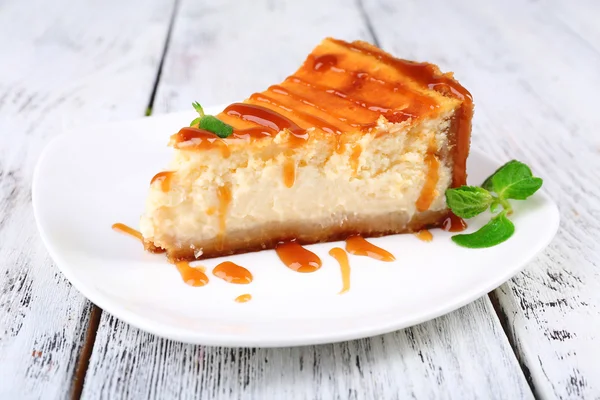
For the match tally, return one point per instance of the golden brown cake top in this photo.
(344, 87)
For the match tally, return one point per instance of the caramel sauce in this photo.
(318, 122)
(253, 133)
(424, 235)
(191, 276)
(313, 120)
(429, 75)
(391, 113)
(224, 197)
(289, 172)
(165, 180)
(119, 227)
(190, 138)
(342, 258)
(324, 62)
(297, 257)
(232, 273)
(354, 158)
(243, 298)
(428, 192)
(454, 223)
(211, 210)
(264, 117)
(357, 245)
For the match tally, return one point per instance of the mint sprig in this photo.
(513, 180)
(210, 123)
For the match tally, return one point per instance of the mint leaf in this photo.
(468, 201)
(494, 232)
(198, 108)
(196, 122)
(487, 184)
(513, 180)
(216, 126)
(494, 206)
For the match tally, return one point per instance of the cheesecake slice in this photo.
(355, 142)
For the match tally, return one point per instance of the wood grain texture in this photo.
(224, 51)
(215, 62)
(62, 63)
(533, 71)
(454, 357)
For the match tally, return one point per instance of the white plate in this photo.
(88, 179)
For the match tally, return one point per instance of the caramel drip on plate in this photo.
(354, 158)
(289, 172)
(224, 197)
(119, 227)
(232, 273)
(424, 235)
(342, 258)
(429, 192)
(190, 138)
(357, 245)
(165, 180)
(243, 298)
(297, 257)
(191, 276)
(454, 223)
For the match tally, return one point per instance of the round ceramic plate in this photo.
(87, 180)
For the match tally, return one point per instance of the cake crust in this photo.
(267, 237)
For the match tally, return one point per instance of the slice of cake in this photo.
(355, 142)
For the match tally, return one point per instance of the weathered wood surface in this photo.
(61, 63)
(458, 356)
(532, 68)
(463, 355)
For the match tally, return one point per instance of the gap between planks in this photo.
(96, 312)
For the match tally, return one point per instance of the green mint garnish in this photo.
(468, 201)
(198, 108)
(513, 180)
(210, 123)
(215, 125)
(494, 232)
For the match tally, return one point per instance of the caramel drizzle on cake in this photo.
(165, 180)
(224, 196)
(354, 101)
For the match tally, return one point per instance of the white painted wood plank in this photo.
(223, 52)
(62, 62)
(533, 71)
(463, 355)
(458, 356)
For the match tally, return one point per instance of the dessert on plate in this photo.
(355, 142)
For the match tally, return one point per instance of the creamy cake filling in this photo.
(209, 196)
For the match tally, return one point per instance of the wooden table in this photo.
(534, 71)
